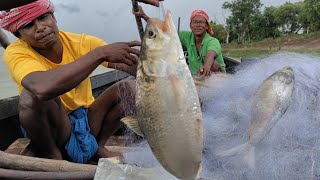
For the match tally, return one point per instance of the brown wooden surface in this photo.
(19, 162)
(21, 146)
(8, 107)
(17, 174)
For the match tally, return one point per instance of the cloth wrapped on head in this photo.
(205, 15)
(13, 19)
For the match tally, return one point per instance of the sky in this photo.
(113, 21)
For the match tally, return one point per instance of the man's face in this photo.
(41, 33)
(198, 25)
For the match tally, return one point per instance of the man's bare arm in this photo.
(46, 85)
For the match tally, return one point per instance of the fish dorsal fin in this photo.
(166, 23)
(132, 123)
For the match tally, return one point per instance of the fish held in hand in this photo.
(168, 108)
(270, 102)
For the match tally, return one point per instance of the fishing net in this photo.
(292, 148)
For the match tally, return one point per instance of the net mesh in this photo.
(292, 148)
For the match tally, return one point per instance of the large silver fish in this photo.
(270, 102)
(168, 110)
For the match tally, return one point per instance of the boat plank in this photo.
(20, 162)
(21, 146)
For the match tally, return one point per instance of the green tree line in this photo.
(248, 23)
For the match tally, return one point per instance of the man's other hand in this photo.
(121, 52)
(205, 70)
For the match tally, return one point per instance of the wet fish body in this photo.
(168, 109)
(270, 102)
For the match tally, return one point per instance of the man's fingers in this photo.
(134, 43)
(134, 51)
(127, 61)
(132, 58)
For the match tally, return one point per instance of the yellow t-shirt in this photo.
(21, 60)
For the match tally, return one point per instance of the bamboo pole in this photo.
(17, 174)
(18, 162)
(138, 19)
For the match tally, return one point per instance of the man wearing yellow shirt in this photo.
(51, 69)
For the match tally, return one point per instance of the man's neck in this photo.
(54, 54)
(198, 38)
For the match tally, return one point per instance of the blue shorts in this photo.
(82, 145)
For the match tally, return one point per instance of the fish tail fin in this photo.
(241, 149)
(250, 157)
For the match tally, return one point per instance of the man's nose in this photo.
(39, 25)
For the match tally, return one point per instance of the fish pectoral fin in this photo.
(132, 123)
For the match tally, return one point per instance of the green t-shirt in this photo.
(208, 43)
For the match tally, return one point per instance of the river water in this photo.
(7, 86)
(292, 148)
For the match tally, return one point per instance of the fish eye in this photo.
(151, 34)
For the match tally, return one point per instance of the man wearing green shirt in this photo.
(197, 59)
(204, 51)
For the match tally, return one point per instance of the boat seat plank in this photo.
(21, 146)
